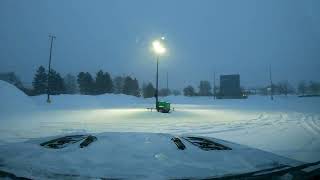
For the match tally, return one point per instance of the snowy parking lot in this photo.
(288, 126)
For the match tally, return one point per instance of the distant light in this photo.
(158, 47)
(163, 38)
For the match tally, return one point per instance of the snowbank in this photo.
(77, 102)
(13, 100)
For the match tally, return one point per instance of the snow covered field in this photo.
(287, 126)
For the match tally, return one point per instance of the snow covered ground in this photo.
(287, 126)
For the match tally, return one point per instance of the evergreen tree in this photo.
(82, 83)
(90, 84)
(70, 82)
(131, 86)
(127, 85)
(86, 83)
(40, 81)
(56, 83)
(100, 87)
(103, 83)
(148, 90)
(118, 84)
(135, 90)
(109, 83)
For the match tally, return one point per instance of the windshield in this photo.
(158, 89)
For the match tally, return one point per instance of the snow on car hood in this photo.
(132, 155)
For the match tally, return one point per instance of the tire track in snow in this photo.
(309, 123)
(315, 122)
(263, 119)
(234, 125)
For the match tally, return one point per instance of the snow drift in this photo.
(77, 101)
(13, 99)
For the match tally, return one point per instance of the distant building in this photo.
(230, 87)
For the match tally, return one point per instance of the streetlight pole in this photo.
(157, 84)
(159, 49)
(49, 69)
(214, 85)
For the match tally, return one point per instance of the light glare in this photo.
(158, 47)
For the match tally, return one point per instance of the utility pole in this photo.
(167, 81)
(214, 85)
(52, 37)
(271, 84)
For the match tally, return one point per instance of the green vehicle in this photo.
(163, 107)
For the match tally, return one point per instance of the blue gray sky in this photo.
(225, 36)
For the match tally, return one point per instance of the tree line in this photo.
(279, 88)
(308, 88)
(204, 89)
(102, 82)
(285, 88)
(85, 83)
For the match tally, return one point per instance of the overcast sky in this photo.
(202, 36)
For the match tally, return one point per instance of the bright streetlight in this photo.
(159, 49)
